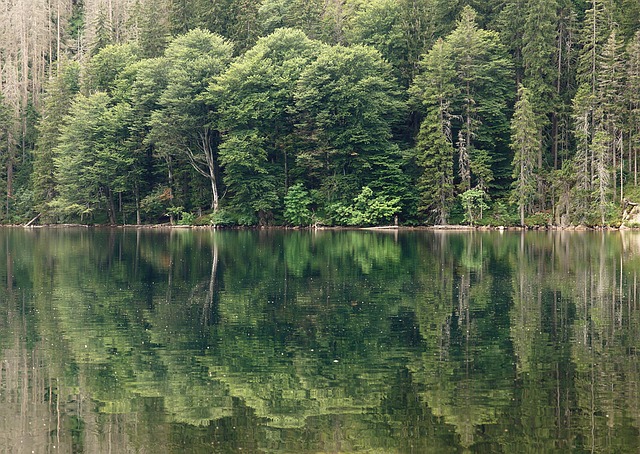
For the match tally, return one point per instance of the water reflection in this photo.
(200, 341)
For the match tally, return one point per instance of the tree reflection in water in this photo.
(327, 341)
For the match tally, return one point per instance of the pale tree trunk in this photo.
(10, 158)
(210, 169)
(137, 194)
(211, 166)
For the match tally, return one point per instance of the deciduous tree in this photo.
(348, 102)
(183, 123)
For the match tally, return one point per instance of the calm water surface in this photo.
(117, 341)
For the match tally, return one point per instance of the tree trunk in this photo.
(9, 173)
(138, 218)
(214, 190)
(207, 148)
(111, 209)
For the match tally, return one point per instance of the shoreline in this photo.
(436, 228)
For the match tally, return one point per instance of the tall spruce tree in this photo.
(583, 161)
(434, 89)
(483, 72)
(58, 97)
(602, 173)
(434, 155)
(610, 104)
(526, 145)
(632, 95)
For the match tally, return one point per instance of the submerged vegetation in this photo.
(340, 112)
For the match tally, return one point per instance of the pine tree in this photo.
(583, 159)
(153, 28)
(539, 36)
(595, 31)
(602, 173)
(482, 76)
(632, 93)
(433, 89)
(434, 155)
(564, 63)
(610, 102)
(525, 142)
(57, 100)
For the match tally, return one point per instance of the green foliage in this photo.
(92, 163)
(153, 28)
(244, 159)
(366, 209)
(348, 102)
(200, 103)
(187, 218)
(175, 211)
(435, 158)
(525, 142)
(540, 219)
(466, 78)
(309, 16)
(483, 71)
(156, 203)
(102, 70)
(379, 24)
(474, 203)
(500, 214)
(57, 100)
(254, 98)
(226, 217)
(401, 30)
(222, 218)
(296, 206)
(180, 127)
(538, 56)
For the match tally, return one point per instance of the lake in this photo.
(163, 341)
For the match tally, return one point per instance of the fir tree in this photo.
(525, 142)
(434, 155)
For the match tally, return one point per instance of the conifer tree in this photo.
(434, 88)
(632, 95)
(610, 102)
(483, 71)
(583, 158)
(594, 33)
(525, 142)
(434, 155)
(59, 94)
(538, 49)
(602, 173)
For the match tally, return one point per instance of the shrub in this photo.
(296, 206)
(366, 209)
(474, 204)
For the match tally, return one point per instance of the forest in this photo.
(319, 112)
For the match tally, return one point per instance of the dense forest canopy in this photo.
(333, 112)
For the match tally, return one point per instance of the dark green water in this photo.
(116, 341)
